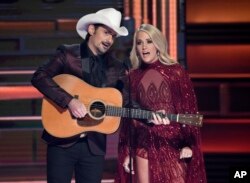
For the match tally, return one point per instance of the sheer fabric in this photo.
(155, 87)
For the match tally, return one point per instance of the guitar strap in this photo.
(86, 69)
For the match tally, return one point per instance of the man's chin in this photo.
(102, 51)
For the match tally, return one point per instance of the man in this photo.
(82, 154)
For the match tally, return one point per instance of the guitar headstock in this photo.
(191, 119)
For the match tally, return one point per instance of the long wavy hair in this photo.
(159, 41)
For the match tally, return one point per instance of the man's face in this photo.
(101, 39)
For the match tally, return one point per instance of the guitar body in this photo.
(60, 123)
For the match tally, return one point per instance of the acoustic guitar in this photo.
(104, 107)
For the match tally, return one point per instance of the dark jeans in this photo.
(62, 162)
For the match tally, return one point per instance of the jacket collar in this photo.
(85, 51)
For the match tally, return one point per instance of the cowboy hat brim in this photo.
(82, 25)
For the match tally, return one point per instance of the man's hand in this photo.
(77, 108)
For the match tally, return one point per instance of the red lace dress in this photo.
(155, 87)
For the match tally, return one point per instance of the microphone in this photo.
(127, 64)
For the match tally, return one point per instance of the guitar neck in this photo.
(136, 113)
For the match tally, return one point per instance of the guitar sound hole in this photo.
(97, 110)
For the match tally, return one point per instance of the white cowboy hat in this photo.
(109, 17)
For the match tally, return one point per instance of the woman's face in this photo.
(145, 48)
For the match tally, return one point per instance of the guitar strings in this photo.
(102, 107)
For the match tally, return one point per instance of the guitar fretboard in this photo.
(136, 113)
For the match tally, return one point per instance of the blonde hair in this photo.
(159, 41)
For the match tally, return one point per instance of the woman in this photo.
(164, 152)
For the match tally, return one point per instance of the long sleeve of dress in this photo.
(191, 134)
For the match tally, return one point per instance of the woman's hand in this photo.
(126, 165)
(158, 120)
(186, 152)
